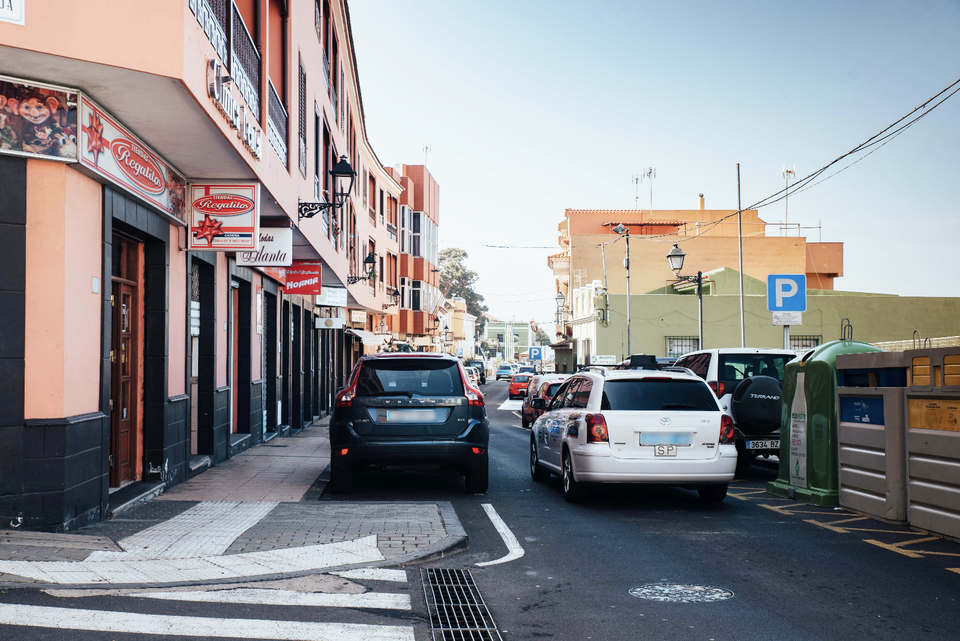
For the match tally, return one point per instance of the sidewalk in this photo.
(253, 516)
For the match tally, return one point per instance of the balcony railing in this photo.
(392, 231)
(277, 121)
(245, 63)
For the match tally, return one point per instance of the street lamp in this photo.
(623, 230)
(675, 259)
(560, 300)
(342, 173)
(368, 267)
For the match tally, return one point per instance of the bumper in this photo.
(456, 451)
(595, 464)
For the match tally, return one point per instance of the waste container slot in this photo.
(921, 370)
(951, 370)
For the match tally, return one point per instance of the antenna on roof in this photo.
(635, 179)
(426, 152)
(649, 174)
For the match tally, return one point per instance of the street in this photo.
(754, 567)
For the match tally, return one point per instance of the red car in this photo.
(519, 384)
(547, 386)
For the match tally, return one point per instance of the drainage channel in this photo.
(457, 611)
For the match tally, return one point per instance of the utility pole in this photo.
(743, 331)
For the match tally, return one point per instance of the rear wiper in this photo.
(677, 406)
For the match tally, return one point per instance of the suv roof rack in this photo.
(676, 368)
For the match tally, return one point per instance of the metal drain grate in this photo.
(457, 611)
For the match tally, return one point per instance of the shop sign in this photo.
(358, 316)
(303, 278)
(275, 249)
(332, 297)
(13, 11)
(111, 151)
(37, 120)
(278, 274)
(219, 86)
(223, 216)
(330, 323)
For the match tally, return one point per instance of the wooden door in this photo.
(123, 384)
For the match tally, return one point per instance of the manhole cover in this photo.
(678, 593)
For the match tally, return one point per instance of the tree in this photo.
(456, 279)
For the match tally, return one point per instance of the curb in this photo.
(455, 541)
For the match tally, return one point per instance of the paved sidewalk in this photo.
(254, 516)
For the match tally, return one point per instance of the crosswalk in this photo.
(354, 605)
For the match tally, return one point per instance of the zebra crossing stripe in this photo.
(36, 616)
(260, 596)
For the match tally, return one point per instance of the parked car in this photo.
(504, 372)
(409, 408)
(527, 369)
(634, 426)
(748, 383)
(473, 375)
(481, 369)
(544, 387)
(518, 385)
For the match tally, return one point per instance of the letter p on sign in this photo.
(787, 293)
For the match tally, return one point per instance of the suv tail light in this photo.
(727, 434)
(345, 398)
(596, 429)
(474, 397)
(717, 388)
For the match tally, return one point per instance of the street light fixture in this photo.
(560, 298)
(623, 230)
(369, 270)
(341, 172)
(675, 259)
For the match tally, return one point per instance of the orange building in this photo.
(176, 286)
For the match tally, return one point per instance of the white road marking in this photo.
(259, 596)
(374, 574)
(163, 625)
(300, 559)
(514, 549)
(510, 404)
(206, 529)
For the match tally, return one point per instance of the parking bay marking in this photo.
(515, 550)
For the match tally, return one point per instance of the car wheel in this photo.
(524, 422)
(342, 475)
(573, 491)
(537, 473)
(478, 478)
(713, 493)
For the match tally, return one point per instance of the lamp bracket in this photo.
(311, 209)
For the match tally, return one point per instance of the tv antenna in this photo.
(649, 174)
(426, 152)
(788, 173)
(635, 179)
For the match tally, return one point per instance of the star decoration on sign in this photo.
(208, 229)
(96, 143)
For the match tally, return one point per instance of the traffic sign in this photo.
(535, 354)
(787, 293)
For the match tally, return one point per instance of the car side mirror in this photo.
(539, 403)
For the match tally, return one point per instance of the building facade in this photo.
(175, 287)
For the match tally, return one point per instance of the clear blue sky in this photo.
(533, 107)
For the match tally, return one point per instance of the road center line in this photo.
(515, 550)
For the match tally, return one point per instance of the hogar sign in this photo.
(217, 87)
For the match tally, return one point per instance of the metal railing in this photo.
(392, 231)
(245, 62)
(277, 123)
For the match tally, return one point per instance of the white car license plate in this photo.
(664, 450)
(770, 444)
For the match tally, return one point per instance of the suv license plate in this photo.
(771, 444)
(664, 450)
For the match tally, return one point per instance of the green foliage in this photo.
(456, 279)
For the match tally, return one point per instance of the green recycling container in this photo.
(809, 422)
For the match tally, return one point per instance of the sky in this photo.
(531, 107)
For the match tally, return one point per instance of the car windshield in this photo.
(553, 388)
(736, 367)
(673, 395)
(521, 379)
(477, 364)
(408, 377)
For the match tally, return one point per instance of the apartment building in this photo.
(176, 286)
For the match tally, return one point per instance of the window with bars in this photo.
(805, 342)
(677, 346)
(302, 123)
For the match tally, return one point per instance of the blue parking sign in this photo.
(787, 293)
(536, 354)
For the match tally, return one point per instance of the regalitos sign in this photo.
(109, 150)
(224, 216)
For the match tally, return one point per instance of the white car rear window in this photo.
(662, 394)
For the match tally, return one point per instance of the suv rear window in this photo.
(732, 368)
(409, 376)
(672, 395)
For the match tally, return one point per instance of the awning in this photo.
(368, 338)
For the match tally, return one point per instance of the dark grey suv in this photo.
(407, 409)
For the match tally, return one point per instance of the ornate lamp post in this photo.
(675, 259)
(343, 175)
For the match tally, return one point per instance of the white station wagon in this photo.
(634, 426)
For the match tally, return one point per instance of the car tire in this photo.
(343, 476)
(524, 422)
(573, 491)
(713, 493)
(537, 473)
(477, 478)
